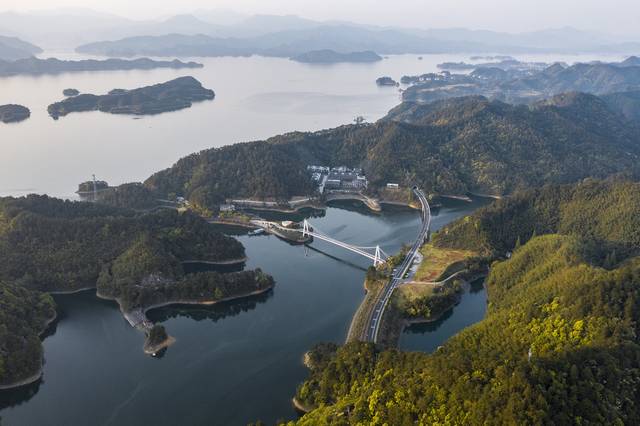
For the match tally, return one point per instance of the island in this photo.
(13, 113)
(36, 66)
(386, 81)
(51, 245)
(327, 56)
(70, 92)
(169, 96)
(518, 82)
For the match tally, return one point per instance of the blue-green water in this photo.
(233, 363)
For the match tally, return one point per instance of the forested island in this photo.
(172, 95)
(36, 66)
(70, 92)
(516, 82)
(559, 342)
(13, 113)
(50, 245)
(386, 81)
(328, 56)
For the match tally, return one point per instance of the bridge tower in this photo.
(305, 228)
(377, 258)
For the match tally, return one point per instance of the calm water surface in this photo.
(256, 98)
(232, 363)
(236, 362)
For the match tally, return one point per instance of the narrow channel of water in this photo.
(231, 364)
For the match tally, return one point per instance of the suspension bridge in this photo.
(378, 256)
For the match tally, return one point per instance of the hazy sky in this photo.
(617, 16)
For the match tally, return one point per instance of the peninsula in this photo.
(169, 96)
(50, 245)
(13, 113)
(36, 66)
(450, 147)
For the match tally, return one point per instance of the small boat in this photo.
(258, 231)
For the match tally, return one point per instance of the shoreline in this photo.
(38, 375)
(218, 262)
(407, 322)
(145, 325)
(299, 406)
(372, 204)
(153, 350)
(66, 292)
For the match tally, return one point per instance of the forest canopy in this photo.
(559, 343)
(455, 146)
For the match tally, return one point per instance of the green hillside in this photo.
(450, 147)
(559, 343)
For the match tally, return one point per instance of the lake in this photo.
(231, 364)
(239, 361)
(256, 98)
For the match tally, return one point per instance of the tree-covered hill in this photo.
(558, 346)
(23, 316)
(605, 212)
(626, 103)
(559, 343)
(452, 147)
(50, 244)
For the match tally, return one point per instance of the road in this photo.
(373, 326)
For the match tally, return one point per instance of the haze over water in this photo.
(256, 98)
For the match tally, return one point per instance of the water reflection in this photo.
(18, 396)
(426, 337)
(211, 313)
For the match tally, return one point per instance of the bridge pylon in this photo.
(305, 228)
(377, 258)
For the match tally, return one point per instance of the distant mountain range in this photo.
(12, 48)
(346, 38)
(231, 33)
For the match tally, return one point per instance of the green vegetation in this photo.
(605, 212)
(373, 284)
(90, 186)
(417, 301)
(157, 335)
(578, 319)
(247, 170)
(54, 245)
(23, 317)
(172, 95)
(559, 343)
(129, 195)
(50, 244)
(450, 147)
(440, 263)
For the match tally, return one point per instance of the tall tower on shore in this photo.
(95, 189)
